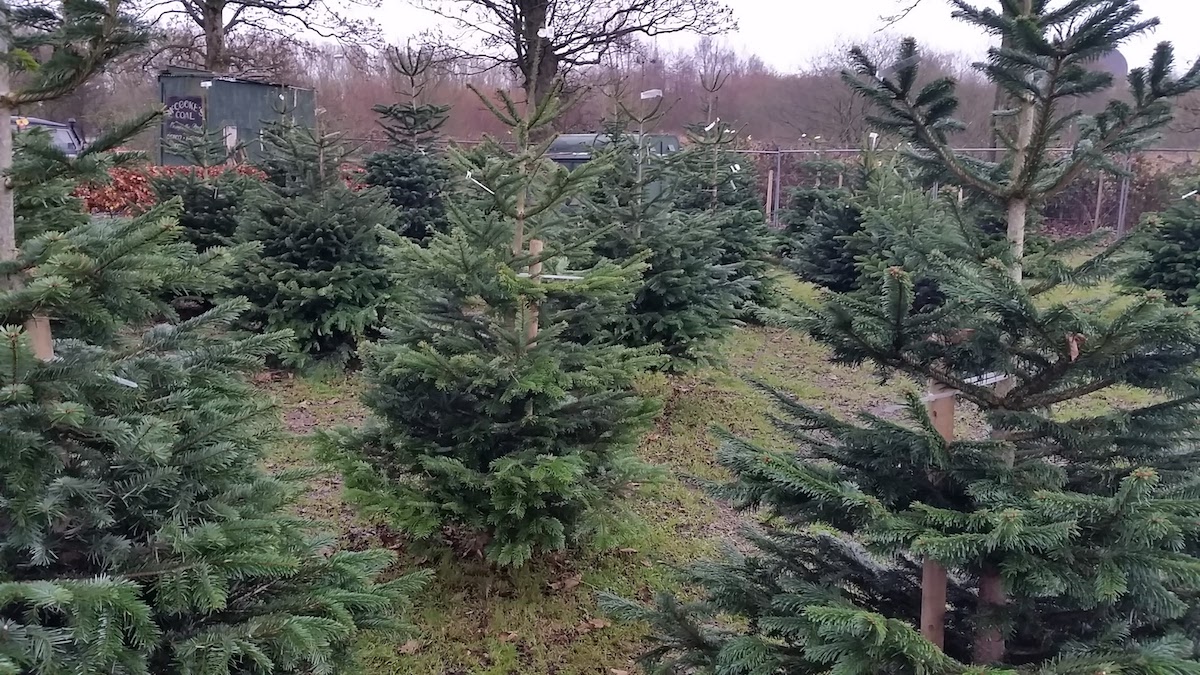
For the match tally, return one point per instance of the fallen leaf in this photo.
(647, 563)
(1073, 342)
(410, 647)
(627, 550)
(566, 584)
(599, 623)
(617, 671)
(509, 636)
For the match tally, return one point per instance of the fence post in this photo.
(770, 204)
(778, 186)
(933, 573)
(1123, 203)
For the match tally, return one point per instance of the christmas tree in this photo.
(490, 425)
(688, 297)
(711, 176)
(1066, 540)
(213, 188)
(1171, 253)
(319, 272)
(412, 169)
(137, 532)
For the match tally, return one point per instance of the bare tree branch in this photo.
(572, 32)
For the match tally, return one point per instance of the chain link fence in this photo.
(1093, 201)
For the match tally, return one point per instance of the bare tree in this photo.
(542, 39)
(205, 29)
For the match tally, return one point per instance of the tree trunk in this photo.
(933, 573)
(36, 327)
(215, 57)
(540, 80)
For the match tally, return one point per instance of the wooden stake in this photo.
(40, 337)
(933, 574)
(535, 273)
(989, 644)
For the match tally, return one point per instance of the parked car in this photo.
(64, 135)
(574, 150)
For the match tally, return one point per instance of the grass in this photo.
(544, 618)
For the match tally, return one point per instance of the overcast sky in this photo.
(788, 33)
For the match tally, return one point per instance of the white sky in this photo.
(787, 33)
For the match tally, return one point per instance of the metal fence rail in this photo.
(1095, 200)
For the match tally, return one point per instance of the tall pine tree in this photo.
(489, 423)
(1066, 541)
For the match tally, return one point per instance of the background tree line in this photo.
(808, 108)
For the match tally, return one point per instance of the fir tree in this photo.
(688, 298)
(1066, 541)
(212, 189)
(1170, 244)
(319, 272)
(711, 176)
(487, 419)
(412, 169)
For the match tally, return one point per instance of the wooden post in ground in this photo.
(933, 574)
(535, 272)
(40, 338)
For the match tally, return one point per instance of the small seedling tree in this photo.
(489, 424)
(1066, 540)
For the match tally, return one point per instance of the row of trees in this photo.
(138, 531)
(804, 109)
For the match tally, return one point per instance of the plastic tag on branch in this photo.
(545, 33)
(652, 93)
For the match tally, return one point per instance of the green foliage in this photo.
(1093, 519)
(415, 182)
(319, 272)
(823, 226)
(480, 427)
(1170, 244)
(138, 532)
(213, 199)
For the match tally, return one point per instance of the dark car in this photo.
(64, 135)
(574, 150)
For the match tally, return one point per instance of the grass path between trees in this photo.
(543, 619)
